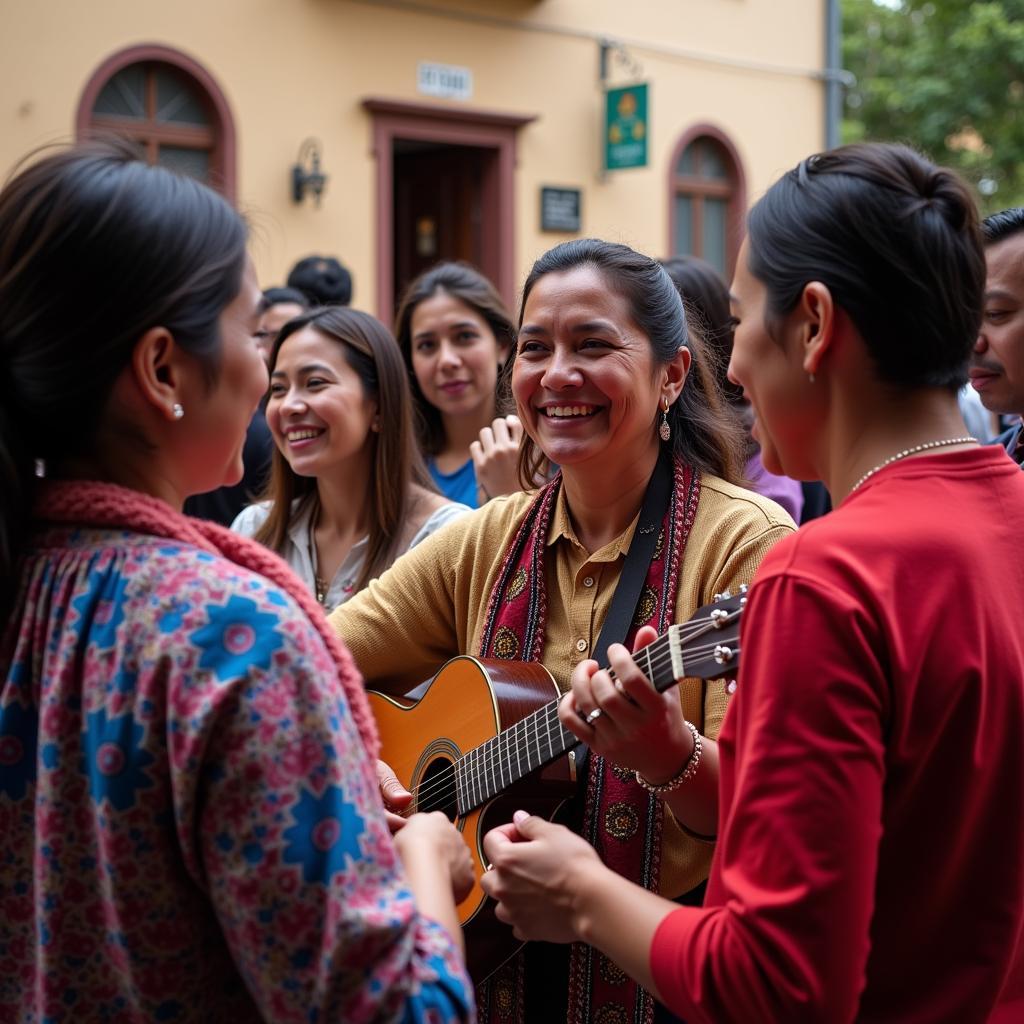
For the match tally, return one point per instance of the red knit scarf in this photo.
(620, 820)
(88, 503)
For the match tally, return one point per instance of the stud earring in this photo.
(177, 411)
(665, 431)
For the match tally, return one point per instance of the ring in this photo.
(488, 867)
(593, 716)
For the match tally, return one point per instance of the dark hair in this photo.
(323, 280)
(706, 301)
(279, 296)
(896, 241)
(706, 433)
(470, 287)
(96, 248)
(372, 353)
(998, 226)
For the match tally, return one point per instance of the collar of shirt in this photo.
(562, 528)
(1016, 446)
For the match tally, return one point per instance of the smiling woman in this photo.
(348, 492)
(456, 336)
(610, 384)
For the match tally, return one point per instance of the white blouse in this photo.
(298, 549)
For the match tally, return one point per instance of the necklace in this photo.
(320, 585)
(912, 451)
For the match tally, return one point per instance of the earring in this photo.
(177, 411)
(665, 431)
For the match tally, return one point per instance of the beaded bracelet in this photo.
(688, 771)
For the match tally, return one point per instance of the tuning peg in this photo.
(723, 654)
(724, 596)
(730, 686)
(743, 588)
(719, 617)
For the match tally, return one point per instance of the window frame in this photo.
(218, 138)
(734, 190)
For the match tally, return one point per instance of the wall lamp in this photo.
(307, 177)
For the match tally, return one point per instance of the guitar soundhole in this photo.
(436, 791)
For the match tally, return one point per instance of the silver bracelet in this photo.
(688, 771)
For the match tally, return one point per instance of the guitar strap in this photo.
(638, 559)
(621, 820)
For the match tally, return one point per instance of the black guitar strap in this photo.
(638, 559)
(634, 572)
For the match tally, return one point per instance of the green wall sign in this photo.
(625, 133)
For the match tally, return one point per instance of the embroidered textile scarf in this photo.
(82, 503)
(620, 819)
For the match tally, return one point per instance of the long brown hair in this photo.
(706, 432)
(372, 353)
(470, 287)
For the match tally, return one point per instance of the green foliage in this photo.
(946, 76)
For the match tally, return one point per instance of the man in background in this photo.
(997, 367)
(323, 280)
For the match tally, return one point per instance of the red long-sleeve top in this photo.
(870, 863)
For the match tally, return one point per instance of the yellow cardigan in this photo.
(431, 605)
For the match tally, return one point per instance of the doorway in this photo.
(445, 190)
(441, 209)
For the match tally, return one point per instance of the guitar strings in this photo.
(492, 754)
(491, 750)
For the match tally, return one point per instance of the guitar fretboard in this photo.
(540, 738)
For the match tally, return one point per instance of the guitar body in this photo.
(468, 702)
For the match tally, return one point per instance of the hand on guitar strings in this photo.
(637, 727)
(533, 871)
(395, 796)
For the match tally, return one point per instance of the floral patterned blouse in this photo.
(190, 829)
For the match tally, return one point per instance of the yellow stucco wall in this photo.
(296, 68)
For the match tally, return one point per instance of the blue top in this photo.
(459, 486)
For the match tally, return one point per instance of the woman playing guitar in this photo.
(609, 386)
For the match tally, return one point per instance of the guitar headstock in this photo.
(707, 645)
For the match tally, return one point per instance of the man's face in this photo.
(273, 319)
(997, 366)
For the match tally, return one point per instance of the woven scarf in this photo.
(88, 503)
(621, 820)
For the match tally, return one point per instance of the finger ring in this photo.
(593, 716)
(488, 867)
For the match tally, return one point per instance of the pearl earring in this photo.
(177, 411)
(665, 431)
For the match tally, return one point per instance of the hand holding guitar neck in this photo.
(638, 728)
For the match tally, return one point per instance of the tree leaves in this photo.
(947, 77)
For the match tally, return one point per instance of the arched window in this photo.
(170, 105)
(707, 198)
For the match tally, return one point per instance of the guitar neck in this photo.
(540, 738)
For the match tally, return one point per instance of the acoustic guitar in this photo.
(482, 739)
